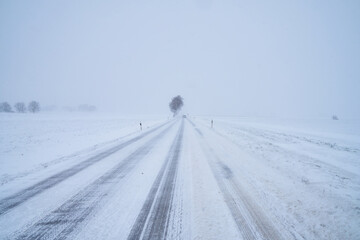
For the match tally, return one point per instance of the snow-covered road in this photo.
(182, 179)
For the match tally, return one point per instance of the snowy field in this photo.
(305, 173)
(30, 141)
(91, 176)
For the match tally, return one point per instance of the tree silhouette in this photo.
(34, 107)
(20, 107)
(176, 104)
(5, 107)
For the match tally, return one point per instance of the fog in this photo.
(247, 58)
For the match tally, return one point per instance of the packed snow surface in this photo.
(93, 176)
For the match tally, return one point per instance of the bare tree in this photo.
(5, 107)
(34, 107)
(20, 107)
(176, 104)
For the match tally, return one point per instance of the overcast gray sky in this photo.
(255, 58)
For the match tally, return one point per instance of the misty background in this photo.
(249, 58)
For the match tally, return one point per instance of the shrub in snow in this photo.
(305, 180)
(34, 107)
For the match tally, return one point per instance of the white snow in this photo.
(304, 172)
(29, 141)
(298, 176)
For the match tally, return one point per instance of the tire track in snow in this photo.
(18, 198)
(302, 158)
(278, 136)
(64, 220)
(153, 219)
(250, 220)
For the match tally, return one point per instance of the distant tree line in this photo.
(20, 107)
(34, 107)
(80, 108)
(86, 108)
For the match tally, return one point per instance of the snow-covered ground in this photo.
(90, 176)
(305, 173)
(29, 141)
